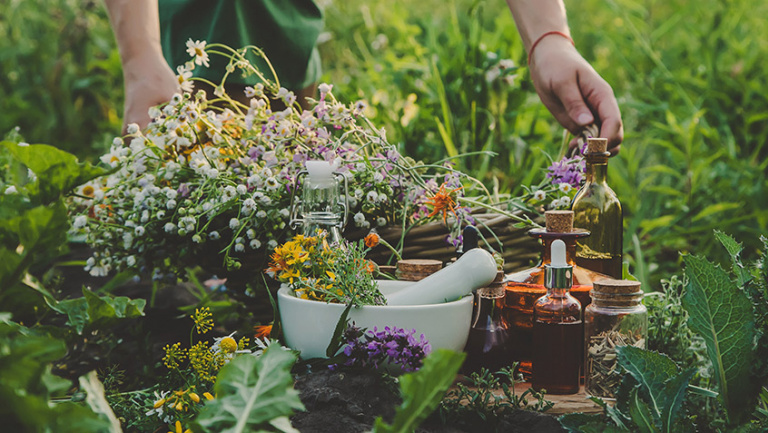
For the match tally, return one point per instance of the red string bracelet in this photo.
(554, 32)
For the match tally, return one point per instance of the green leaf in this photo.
(722, 314)
(641, 414)
(253, 394)
(27, 384)
(675, 391)
(96, 400)
(734, 250)
(57, 171)
(336, 340)
(93, 310)
(651, 370)
(422, 391)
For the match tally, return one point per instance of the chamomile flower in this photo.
(234, 223)
(196, 49)
(80, 221)
(539, 195)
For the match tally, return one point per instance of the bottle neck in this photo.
(597, 167)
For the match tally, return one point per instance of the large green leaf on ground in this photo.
(253, 394)
(721, 313)
(57, 171)
(422, 391)
(93, 310)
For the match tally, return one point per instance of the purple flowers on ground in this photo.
(567, 170)
(394, 345)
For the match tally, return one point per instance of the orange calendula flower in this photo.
(371, 240)
(262, 331)
(443, 202)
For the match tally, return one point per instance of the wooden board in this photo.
(565, 403)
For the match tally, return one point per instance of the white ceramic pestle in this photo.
(474, 269)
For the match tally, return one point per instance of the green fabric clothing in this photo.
(286, 30)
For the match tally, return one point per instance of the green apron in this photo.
(286, 30)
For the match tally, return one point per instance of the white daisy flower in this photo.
(196, 49)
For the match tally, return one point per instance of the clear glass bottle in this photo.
(323, 203)
(488, 344)
(525, 287)
(557, 330)
(616, 317)
(597, 209)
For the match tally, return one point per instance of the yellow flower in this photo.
(203, 320)
(194, 397)
(174, 355)
(228, 345)
(178, 429)
(208, 396)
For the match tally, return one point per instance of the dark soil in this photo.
(349, 402)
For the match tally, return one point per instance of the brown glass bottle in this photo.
(597, 209)
(488, 345)
(525, 287)
(557, 331)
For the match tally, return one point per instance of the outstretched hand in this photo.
(574, 92)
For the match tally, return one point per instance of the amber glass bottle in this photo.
(525, 287)
(597, 209)
(488, 344)
(557, 330)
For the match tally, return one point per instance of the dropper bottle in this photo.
(557, 329)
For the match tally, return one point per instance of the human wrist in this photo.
(548, 40)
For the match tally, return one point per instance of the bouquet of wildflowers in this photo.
(317, 270)
(211, 177)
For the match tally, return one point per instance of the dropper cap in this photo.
(558, 274)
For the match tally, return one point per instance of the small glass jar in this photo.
(616, 317)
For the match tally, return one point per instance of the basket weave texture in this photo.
(428, 241)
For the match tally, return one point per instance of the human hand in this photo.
(149, 81)
(574, 92)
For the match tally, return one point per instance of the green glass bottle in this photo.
(597, 209)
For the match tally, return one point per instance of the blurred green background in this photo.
(689, 76)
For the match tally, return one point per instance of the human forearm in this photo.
(137, 29)
(537, 17)
(148, 78)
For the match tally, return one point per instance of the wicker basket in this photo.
(428, 241)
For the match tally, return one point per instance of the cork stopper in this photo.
(494, 290)
(597, 145)
(559, 221)
(610, 286)
(417, 269)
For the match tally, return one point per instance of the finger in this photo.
(573, 102)
(607, 110)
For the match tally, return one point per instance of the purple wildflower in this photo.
(394, 345)
(567, 170)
